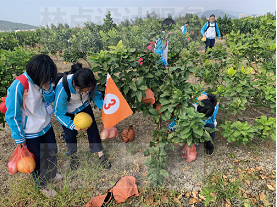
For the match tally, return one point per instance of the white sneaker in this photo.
(58, 177)
(48, 192)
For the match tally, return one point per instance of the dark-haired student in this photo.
(184, 30)
(82, 85)
(210, 110)
(31, 126)
(209, 30)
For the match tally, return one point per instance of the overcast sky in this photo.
(41, 12)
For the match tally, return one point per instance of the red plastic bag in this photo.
(189, 153)
(22, 160)
(108, 134)
(12, 162)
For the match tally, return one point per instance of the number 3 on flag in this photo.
(111, 104)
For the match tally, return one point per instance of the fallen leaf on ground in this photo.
(233, 179)
(164, 199)
(177, 200)
(194, 194)
(137, 168)
(254, 201)
(188, 194)
(258, 168)
(180, 196)
(193, 201)
(149, 200)
(262, 196)
(270, 187)
(199, 183)
(273, 184)
(184, 169)
(228, 202)
(202, 197)
(247, 182)
(263, 176)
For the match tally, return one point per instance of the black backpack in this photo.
(64, 82)
(211, 26)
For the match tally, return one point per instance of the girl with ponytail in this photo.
(82, 85)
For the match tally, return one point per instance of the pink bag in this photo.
(108, 134)
(189, 153)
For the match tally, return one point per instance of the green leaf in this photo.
(171, 146)
(132, 49)
(133, 85)
(139, 81)
(112, 183)
(139, 95)
(145, 112)
(126, 89)
(149, 75)
(164, 173)
(167, 115)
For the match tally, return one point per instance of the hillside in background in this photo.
(7, 26)
(217, 13)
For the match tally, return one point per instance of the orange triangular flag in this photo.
(115, 107)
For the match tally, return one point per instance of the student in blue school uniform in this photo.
(184, 30)
(163, 49)
(31, 124)
(81, 85)
(209, 30)
(210, 109)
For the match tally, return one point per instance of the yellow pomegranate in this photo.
(26, 165)
(82, 120)
(204, 39)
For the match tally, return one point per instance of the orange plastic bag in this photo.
(22, 160)
(189, 153)
(108, 134)
(150, 97)
(128, 134)
(124, 188)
